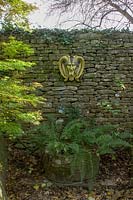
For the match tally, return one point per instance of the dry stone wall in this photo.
(105, 88)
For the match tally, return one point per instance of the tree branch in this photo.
(120, 10)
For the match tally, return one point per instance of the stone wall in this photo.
(104, 91)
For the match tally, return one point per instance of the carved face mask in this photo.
(71, 68)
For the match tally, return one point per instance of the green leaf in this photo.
(14, 94)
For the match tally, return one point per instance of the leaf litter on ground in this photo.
(26, 181)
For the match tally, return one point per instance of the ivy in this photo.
(61, 36)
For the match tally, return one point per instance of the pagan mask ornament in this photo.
(71, 68)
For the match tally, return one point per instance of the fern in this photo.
(87, 163)
(125, 135)
(73, 129)
(81, 142)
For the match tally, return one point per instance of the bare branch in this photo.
(118, 8)
(93, 13)
(104, 15)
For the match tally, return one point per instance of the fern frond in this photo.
(126, 135)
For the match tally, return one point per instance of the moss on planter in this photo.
(60, 170)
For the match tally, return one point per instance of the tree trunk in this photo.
(3, 159)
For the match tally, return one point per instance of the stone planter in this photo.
(58, 170)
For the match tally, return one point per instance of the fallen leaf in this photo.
(91, 198)
(36, 187)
